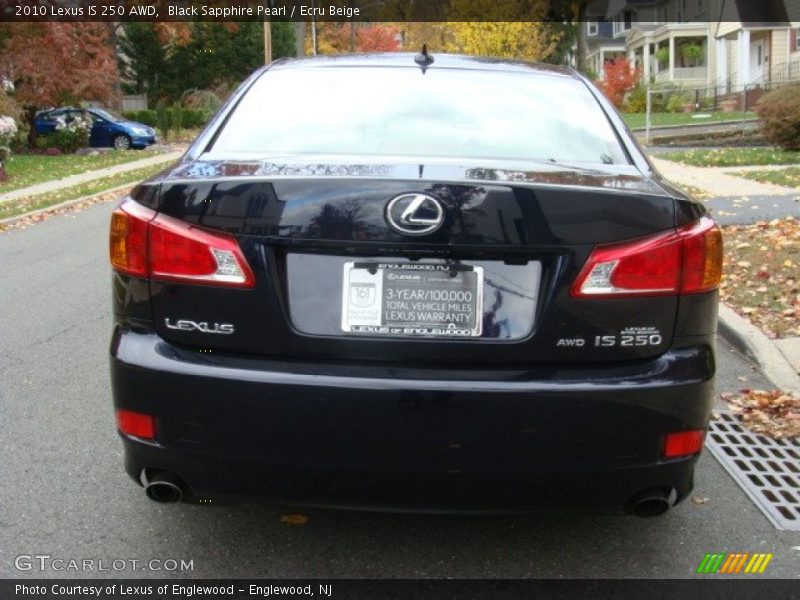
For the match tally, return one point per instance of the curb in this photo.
(749, 340)
(65, 204)
(667, 128)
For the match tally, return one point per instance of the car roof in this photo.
(440, 61)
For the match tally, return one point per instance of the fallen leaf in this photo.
(294, 519)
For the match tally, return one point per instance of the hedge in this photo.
(190, 118)
(780, 116)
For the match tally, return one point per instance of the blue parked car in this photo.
(107, 129)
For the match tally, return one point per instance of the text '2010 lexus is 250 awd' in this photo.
(414, 282)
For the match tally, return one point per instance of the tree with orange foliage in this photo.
(377, 38)
(58, 63)
(619, 79)
(339, 38)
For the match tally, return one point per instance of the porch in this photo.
(674, 52)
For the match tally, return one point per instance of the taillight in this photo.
(182, 252)
(128, 239)
(136, 424)
(683, 443)
(686, 261)
(161, 247)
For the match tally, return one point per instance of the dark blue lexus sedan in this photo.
(107, 129)
(459, 285)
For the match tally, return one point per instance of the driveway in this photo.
(64, 492)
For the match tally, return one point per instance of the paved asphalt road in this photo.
(64, 492)
(738, 210)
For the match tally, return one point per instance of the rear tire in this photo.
(122, 142)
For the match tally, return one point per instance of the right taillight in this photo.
(686, 261)
(145, 244)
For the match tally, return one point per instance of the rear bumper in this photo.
(404, 438)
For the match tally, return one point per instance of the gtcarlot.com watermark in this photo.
(59, 564)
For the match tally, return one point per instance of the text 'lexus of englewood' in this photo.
(456, 284)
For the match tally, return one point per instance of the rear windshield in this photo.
(446, 113)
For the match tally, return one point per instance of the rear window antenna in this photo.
(423, 59)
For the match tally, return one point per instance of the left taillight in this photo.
(128, 238)
(157, 246)
(686, 261)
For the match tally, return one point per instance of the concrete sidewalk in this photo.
(57, 184)
(719, 181)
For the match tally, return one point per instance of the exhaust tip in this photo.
(651, 507)
(163, 488)
(653, 502)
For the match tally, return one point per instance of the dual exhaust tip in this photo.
(165, 488)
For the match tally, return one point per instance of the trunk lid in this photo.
(528, 230)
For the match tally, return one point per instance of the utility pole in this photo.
(267, 41)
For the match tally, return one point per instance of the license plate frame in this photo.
(425, 300)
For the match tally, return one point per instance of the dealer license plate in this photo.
(412, 299)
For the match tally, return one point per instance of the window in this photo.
(623, 22)
(591, 28)
(397, 112)
(795, 39)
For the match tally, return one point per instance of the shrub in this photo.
(145, 117)
(163, 122)
(8, 106)
(619, 79)
(190, 117)
(204, 100)
(675, 103)
(68, 136)
(196, 117)
(8, 129)
(637, 99)
(175, 116)
(780, 116)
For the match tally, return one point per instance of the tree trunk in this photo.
(300, 38)
(3, 176)
(580, 43)
(30, 116)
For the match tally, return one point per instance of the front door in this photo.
(101, 132)
(758, 60)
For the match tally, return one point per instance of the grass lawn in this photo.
(638, 120)
(733, 157)
(760, 274)
(29, 169)
(789, 177)
(22, 205)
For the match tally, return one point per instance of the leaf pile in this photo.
(772, 412)
(761, 274)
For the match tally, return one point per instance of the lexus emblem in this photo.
(414, 214)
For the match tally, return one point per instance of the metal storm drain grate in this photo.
(767, 469)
